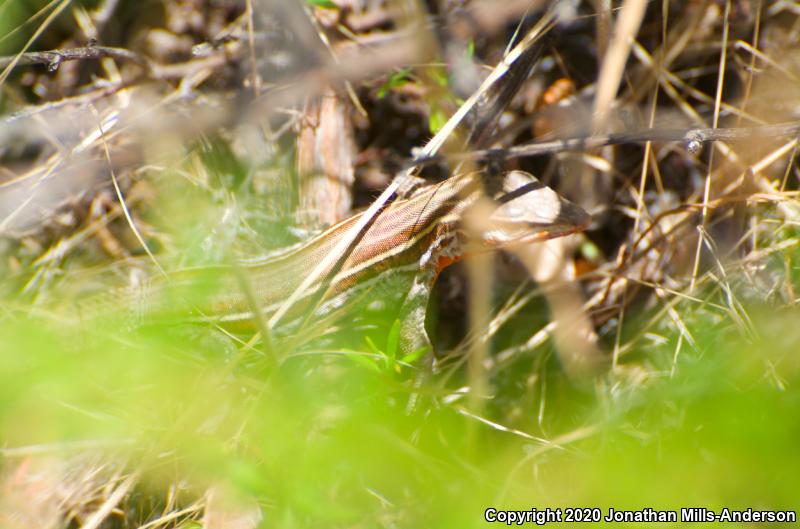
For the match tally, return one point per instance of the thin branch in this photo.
(54, 58)
(693, 139)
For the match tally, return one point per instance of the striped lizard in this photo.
(395, 263)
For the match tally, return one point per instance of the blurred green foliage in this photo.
(11, 16)
(326, 441)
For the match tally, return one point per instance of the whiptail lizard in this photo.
(395, 263)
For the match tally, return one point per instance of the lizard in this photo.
(396, 262)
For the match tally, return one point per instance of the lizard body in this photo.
(395, 262)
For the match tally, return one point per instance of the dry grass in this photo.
(136, 142)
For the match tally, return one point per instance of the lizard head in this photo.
(529, 211)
